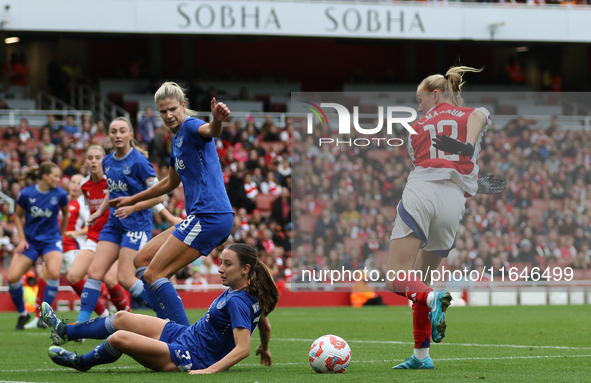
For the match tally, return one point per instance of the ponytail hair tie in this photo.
(445, 76)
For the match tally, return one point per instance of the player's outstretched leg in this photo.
(58, 329)
(66, 358)
(438, 305)
(413, 363)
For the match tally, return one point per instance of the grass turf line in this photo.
(499, 344)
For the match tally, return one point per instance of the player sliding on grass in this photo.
(444, 152)
(218, 341)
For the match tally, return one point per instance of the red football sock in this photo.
(41, 283)
(410, 286)
(78, 287)
(104, 291)
(119, 298)
(421, 325)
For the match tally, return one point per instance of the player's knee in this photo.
(110, 281)
(53, 274)
(141, 260)
(119, 320)
(118, 340)
(73, 278)
(13, 278)
(94, 273)
(151, 275)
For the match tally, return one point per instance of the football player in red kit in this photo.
(444, 153)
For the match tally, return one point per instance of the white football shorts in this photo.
(89, 245)
(433, 211)
(67, 260)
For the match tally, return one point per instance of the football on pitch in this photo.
(330, 353)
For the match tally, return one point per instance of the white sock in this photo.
(430, 299)
(421, 353)
(23, 314)
(105, 314)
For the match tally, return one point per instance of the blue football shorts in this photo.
(205, 232)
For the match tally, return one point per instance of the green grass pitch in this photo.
(494, 344)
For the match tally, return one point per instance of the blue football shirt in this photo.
(41, 213)
(196, 161)
(212, 337)
(126, 176)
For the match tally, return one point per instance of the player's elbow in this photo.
(245, 352)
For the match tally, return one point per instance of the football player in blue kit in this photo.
(219, 340)
(127, 230)
(194, 162)
(40, 235)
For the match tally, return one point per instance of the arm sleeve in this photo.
(488, 118)
(199, 141)
(63, 198)
(21, 200)
(145, 169)
(241, 314)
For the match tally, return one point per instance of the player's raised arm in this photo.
(214, 128)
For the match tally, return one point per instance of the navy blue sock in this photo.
(51, 290)
(152, 298)
(96, 328)
(89, 299)
(170, 301)
(103, 353)
(16, 293)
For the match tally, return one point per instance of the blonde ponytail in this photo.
(450, 84)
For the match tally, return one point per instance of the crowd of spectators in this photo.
(345, 196)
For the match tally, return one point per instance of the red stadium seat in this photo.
(306, 224)
(540, 204)
(507, 109)
(535, 214)
(579, 275)
(559, 204)
(264, 202)
(353, 242)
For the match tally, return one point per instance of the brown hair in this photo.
(134, 143)
(449, 85)
(34, 174)
(261, 282)
(172, 90)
